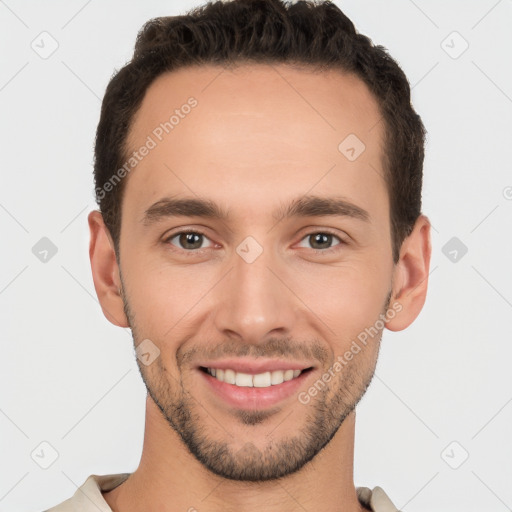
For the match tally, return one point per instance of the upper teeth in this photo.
(261, 380)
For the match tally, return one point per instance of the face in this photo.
(252, 247)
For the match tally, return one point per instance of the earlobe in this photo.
(410, 279)
(105, 270)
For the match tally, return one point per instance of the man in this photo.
(258, 171)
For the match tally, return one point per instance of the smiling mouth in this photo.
(260, 380)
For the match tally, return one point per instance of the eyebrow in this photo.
(304, 206)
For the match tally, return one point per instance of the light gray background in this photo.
(69, 378)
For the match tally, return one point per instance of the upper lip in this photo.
(256, 366)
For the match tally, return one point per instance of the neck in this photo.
(170, 479)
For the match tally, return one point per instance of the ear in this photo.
(105, 270)
(410, 277)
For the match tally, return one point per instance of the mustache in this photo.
(272, 348)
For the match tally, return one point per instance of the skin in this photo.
(259, 137)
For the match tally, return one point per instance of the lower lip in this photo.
(255, 398)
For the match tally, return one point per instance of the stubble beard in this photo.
(281, 456)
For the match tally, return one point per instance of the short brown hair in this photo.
(304, 33)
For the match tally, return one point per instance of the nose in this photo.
(254, 300)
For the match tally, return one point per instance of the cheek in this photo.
(163, 297)
(347, 298)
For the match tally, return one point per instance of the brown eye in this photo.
(321, 241)
(188, 240)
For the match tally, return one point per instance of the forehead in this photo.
(255, 131)
(329, 101)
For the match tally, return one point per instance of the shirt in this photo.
(88, 497)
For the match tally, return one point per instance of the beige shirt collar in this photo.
(88, 497)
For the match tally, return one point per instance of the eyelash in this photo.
(311, 233)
